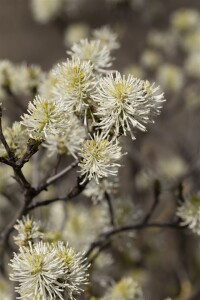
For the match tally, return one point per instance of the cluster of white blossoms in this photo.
(126, 103)
(18, 79)
(95, 52)
(28, 231)
(97, 192)
(44, 117)
(46, 270)
(189, 212)
(75, 83)
(84, 107)
(126, 289)
(16, 137)
(66, 142)
(99, 156)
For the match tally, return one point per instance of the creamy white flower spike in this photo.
(97, 191)
(126, 289)
(28, 231)
(76, 270)
(17, 138)
(44, 117)
(69, 141)
(75, 83)
(93, 51)
(189, 212)
(125, 104)
(99, 157)
(107, 37)
(48, 271)
(39, 271)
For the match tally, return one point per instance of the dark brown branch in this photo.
(110, 209)
(7, 162)
(32, 148)
(76, 190)
(105, 236)
(157, 191)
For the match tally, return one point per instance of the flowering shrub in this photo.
(71, 140)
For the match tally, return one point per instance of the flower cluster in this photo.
(125, 289)
(75, 82)
(69, 141)
(94, 51)
(98, 157)
(16, 137)
(46, 270)
(126, 104)
(19, 79)
(189, 212)
(28, 231)
(44, 117)
(84, 107)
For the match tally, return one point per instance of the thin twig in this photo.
(110, 233)
(157, 191)
(110, 208)
(57, 176)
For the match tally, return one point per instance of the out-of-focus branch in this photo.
(57, 176)
(105, 236)
(157, 191)
(110, 209)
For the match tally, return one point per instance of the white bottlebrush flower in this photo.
(25, 79)
(75, 83)
(189, 212)
(126, 104)
(107, 37)
(47, 85)
(44, 117)
(99, 157)
(28, 231)
(126, 289)
(97, 191)
(93, 51)
(6, 72)
(69, 141)
(39, 272)
(46, 10)
(17, 138)
(76, 275)
(48, 271)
